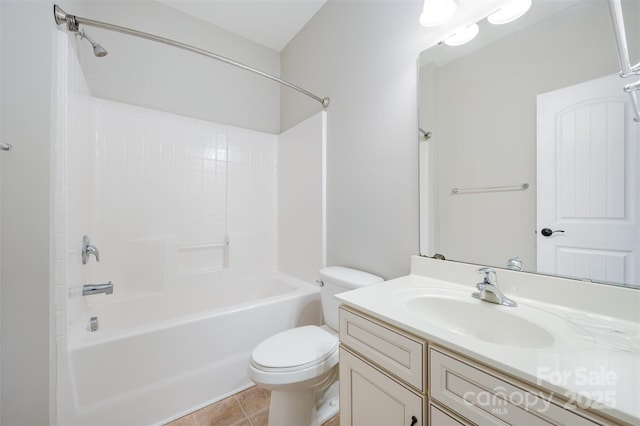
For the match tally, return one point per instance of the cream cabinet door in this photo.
(369, 397)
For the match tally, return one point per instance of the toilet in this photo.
(300, 365)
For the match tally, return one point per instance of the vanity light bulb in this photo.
(437, 12)
(509, 12)
(462, 36)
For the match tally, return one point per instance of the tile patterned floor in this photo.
(247, 408)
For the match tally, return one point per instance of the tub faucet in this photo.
(89, 289)
(489, 291)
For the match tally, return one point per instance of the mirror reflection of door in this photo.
(588, 183)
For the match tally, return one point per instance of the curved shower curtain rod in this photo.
(73, 21)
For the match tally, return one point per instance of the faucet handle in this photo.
(515, 263)
(489, 276)
(88, 249)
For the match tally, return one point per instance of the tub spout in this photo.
(88, 289)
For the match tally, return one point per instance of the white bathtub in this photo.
(155, 358)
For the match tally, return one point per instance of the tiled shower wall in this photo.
(157, 193)
(74, 162)
(170, 191)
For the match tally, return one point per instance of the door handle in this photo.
(413, 420)
(548, 232)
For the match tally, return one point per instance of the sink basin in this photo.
(481, 320)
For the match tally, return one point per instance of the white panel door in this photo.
(588, 182)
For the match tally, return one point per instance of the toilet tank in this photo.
(338, 279)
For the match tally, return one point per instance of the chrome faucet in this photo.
(515, 264)
(489, 291)
(89, 289)
(88, 249)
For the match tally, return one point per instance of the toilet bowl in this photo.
(300, 365)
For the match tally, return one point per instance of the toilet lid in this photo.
(296, 347)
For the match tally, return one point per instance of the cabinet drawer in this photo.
(369, 397)
(394, 351)
(487, 398)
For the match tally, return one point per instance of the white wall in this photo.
(363, 56)
(26, 90)
(153, 75)
(301, 199)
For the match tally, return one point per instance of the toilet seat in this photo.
(294, 349)
(294, 355)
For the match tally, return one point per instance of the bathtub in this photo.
(157, 357)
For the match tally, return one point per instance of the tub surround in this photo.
(594, 359)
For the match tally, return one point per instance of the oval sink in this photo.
(481, 320)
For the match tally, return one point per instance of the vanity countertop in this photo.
(593, 362)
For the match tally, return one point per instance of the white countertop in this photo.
(594, 361)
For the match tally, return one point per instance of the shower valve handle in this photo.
(88, 249)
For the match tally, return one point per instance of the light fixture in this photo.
(437, 12)
(462, 35)
(509, 12)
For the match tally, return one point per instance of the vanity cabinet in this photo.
(382, 379)
(390, 377)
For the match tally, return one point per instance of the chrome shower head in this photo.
(98, 50)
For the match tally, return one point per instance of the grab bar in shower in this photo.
(472, 190)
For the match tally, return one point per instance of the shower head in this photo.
(98, 50)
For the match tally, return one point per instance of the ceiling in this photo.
(272, 23)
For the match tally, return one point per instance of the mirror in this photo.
(489, 108)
